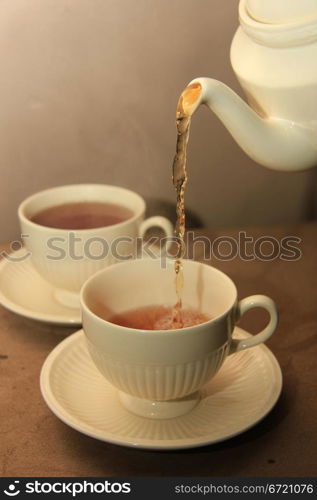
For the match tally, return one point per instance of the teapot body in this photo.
(276, 68)
(274, 55)
(277, 82)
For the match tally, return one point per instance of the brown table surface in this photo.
(33, 442)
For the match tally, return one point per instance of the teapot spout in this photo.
(270, 141)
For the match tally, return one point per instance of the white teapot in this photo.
(274, 55)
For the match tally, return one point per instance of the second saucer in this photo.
(23, 291)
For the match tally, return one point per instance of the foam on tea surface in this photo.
(156, 318)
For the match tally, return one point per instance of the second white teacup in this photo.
(158, 372)
(66, 258)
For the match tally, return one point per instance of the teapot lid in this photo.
(281, 11)
(279, 23)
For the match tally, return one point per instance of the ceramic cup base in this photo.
(159, 409)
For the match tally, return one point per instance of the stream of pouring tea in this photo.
(183, 119)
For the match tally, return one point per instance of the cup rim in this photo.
(137, 331)
(32, 197)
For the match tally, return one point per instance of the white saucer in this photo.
(25, 292)
(242, 393)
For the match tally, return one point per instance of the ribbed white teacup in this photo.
(159, 372)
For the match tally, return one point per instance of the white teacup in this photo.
(68, 268)
(159, 372)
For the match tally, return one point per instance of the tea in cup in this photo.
(71, 232)
(158, 367)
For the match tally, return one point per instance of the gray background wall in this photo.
(88, 90)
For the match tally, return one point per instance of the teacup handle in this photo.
(249, 303)
(157, 221)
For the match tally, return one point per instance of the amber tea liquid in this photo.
(82, 215)
(183, 119)
(154, 318)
